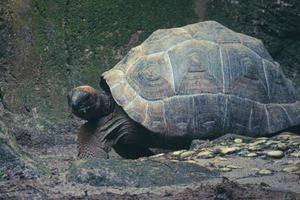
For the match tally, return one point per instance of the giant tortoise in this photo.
(198, 81)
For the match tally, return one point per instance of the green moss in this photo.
(75, 41)
(79, 38)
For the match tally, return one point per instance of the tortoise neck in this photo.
(107, 103)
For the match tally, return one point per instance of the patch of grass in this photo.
(78, 38)
(75, 41)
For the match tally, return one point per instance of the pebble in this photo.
(275, 154)
(191, 161)
(258, 142)
(296, 154)
(228, 150)
(186, 154)
(291, 169)
(251, 155)
(295, 143)
(294, 137)
(271, 142)
(238, 141)
(262, 138)
(177, 153)
(281, 146)
(295, 162)
(234, 167)
(297, 172)
(265, 172)
(254, 148)
(157, 155)
(284, 136)
(218, 159)
(225, 169)
(205, 154)
(240, 144)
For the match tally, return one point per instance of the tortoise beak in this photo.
(75, 105)
(74, 98)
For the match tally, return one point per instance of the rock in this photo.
(219, 159)
(296, 154)
(225, 169)
(157, 156)
(198, 144)
(186, 154)
(284, 136)
(291, 169)
(258, 142)
(297, 172)
(265, 172)
(295, 137)
(233, 167)
(238, 141)
(250, 155)
(205, 154)
(254, 148)
(295, 162)
(191, 161)
(296, 144)
(136, 173)
(228, 150)
(271, 142)
(177, 153)
(240, 145)
(275, 154)
(281, 146)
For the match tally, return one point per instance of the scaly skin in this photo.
(117, 131)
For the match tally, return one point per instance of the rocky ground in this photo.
(230, 167)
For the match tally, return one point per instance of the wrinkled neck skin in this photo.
(96, 138)
(105, 103)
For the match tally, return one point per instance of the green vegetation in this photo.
(75, 41)
(80, 39)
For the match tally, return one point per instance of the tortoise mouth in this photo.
(84, 109)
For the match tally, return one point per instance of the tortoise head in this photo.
(85, 102)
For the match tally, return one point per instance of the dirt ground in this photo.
(240, 177)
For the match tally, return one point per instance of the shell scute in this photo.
(196, 67)
(151, 77)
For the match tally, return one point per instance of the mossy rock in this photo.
(137, 173)
(14, 162)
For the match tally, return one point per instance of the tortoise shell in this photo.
(204, 79)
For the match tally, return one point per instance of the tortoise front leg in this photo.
(99, 139)
(89, 142)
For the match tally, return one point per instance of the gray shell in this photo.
(204, 79)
